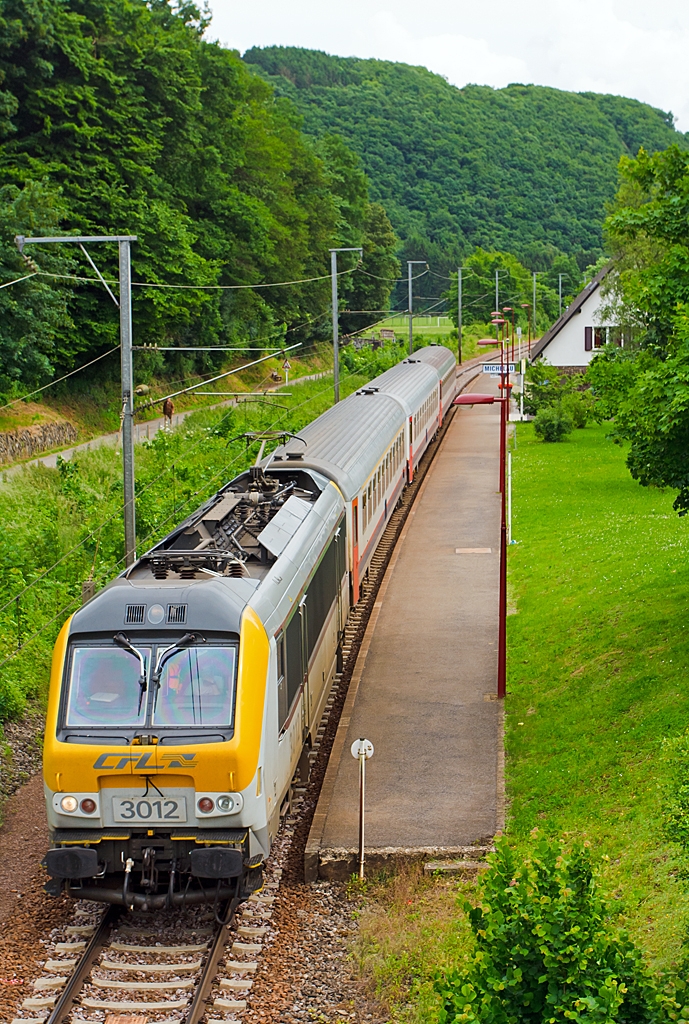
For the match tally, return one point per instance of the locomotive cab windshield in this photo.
(163, 686)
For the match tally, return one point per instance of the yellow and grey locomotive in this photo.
(184, 695)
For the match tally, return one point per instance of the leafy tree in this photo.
(33, 314)
(644, 386)
(525, 169)
(649, 234)
(546, 951)
(650, 399)
(142, 126)
(515, 289)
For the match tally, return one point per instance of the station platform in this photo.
(424, 688)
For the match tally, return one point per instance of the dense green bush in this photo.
(578, 405)
(546, 950)
(552, 423)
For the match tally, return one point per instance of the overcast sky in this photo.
(628, 47)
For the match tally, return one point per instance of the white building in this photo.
(572, 341)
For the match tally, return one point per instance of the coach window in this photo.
(322, 594)
(293, 658)
(283, 708)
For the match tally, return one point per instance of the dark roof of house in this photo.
(575, 307)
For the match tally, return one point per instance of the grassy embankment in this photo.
(598, 652)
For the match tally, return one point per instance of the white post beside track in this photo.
(361, 750)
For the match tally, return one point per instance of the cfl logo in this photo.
(117, 761)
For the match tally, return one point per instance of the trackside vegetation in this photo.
(597, 761)
(67, 522)
(545, 949)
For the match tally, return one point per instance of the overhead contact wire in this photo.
(60, 379)
(192, 287)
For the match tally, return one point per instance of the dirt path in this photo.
(26, 913)
(142, 431)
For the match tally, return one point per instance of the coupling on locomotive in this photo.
(186, 694)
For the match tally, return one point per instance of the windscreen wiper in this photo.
(122, 641)
(186, 641)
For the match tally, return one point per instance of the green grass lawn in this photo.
(597, 660)
(598, 646)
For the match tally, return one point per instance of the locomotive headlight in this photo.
(205, 805)
(225, 803)
(69, 804)
(88, 806)
(156, 614)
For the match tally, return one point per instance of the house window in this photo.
(600, 337)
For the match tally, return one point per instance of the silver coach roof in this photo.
(438, 356)
(409, 382)
(346, 442)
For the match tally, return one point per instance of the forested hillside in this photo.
(525, 169)
(118, 117)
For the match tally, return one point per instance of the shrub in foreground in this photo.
(552, 423)
(578, 405)
(545, 950)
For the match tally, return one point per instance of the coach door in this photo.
(355, 552)
(306, 703)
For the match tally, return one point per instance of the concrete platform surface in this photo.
(424, 687)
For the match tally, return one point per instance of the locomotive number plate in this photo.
(160, 809)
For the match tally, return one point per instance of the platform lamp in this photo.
(510, 309)
(527, 305)
(497, 322)
(469, 398)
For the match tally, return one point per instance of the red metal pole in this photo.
(503, 392)
(502, 610)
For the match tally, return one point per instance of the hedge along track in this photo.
(174, 967)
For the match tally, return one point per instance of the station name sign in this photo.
(496, 368)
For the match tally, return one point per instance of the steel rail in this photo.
(65, 1001)
(197, 1007)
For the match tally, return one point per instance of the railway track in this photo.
(177, 967)
(166, 967)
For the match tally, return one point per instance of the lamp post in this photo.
(510, 309)
(336, 339)
(527, 305)
(497, 323)
(467, 398)
(410, 264)
(459, 314)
